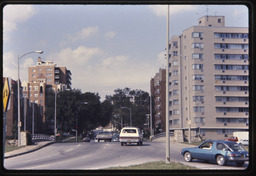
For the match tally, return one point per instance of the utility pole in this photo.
(167, 92)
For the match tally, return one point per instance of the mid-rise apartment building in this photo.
(209, 82)
(43, 77)
(157, 90)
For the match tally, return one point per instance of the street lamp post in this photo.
(130, 114)
(19, 123)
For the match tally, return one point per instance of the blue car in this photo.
(217, 150)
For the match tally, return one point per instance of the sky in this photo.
(104, 46)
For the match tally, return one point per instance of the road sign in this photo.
(6, 94)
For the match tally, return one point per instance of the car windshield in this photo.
(129, 131)
(104, 133)
(235, 147)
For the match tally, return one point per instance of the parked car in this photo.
(233, 138)
(243, 142)
(217, 150)
(104, 135)
(86, 139)
(131, 135)
(115, 138)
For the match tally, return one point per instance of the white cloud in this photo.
(161, 10)
(83, 34)
(13, 14)
(110, 35)
(161, 60)
(75, 57)
(10, 66)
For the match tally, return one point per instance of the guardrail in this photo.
(161, 135)
(41, 137)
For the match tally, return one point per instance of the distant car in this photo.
(233, 138)
(131, 135)
(104, 135)
(243, 142)
(115, 138)
(86, 139)
(217, 150)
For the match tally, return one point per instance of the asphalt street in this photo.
(94, 156)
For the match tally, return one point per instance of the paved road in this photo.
(87, 156)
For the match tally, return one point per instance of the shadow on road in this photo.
(228, 164)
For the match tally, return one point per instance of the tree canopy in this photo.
(77, 110)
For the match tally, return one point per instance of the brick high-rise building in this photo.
(157, 89)
(43, 77)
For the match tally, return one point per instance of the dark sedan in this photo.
(217, 150)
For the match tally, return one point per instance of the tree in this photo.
(137, 100)
(77, 110)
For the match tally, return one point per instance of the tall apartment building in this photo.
(209, 82)
(157, 89)
(43, 77)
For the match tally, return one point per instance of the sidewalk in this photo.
(27, 149)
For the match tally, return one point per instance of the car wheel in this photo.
(240, 163)
(188, 157)
(220, 160)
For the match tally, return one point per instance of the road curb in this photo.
(29, 151)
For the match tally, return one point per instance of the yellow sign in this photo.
(6, 94)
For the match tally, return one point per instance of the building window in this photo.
(231, 109)
(231, 35)
(175, 72)
(175, 63)
(198, 98)
(232, 99)
(198, 66)
(48, 74)
(231, 78)
(175, 82)
(35, 95)
(48, 80)
(198, 87)
(175, 121)
(198, 109)
(198, 77)
(176, 112)
(197, 45)
(175, 44)
(197, 56)
(197, 34)
(231, 120)
(175, 102)
(35, 88)
(230, 46)
(231, 88)
(175, 53)
(48, 69)
(199, 119)
(231, 56)
(175, 92)
(33, 70)
(231, 67)
(219, 20)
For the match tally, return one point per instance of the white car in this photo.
(130, 135)
(243, 142)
